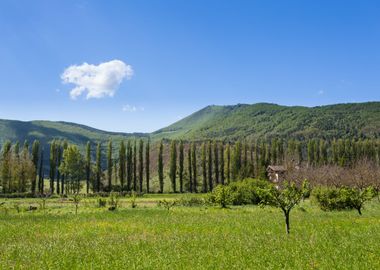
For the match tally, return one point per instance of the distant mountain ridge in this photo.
(241, 121)
(265, 120)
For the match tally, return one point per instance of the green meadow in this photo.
(200, 237)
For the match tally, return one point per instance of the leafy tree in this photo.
(141, 165)
(161, 167)
(285, 198)
(109, 165)
(73, 166)
(222, 195)
(173, 165)
(147, 165)
(209, 166)
(181, 168)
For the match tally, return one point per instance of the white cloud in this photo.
(131, 108)
(97, 80)
(321, 92)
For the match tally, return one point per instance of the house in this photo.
(276, 173)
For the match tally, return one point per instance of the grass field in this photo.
(150, 237)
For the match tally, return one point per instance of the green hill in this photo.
(46, 131)
(265, 120)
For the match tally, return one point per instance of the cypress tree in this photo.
(244, 172)
(41, 173)
(141, 165)
(147, 165)
(273, 151)
(23, 171)
(161, 167)
(209, 166)
(122, 164)
(98, 166)
(129, 166)
(5, 166)
(35, 156)
(135, 166)
(204, 168)
(65, 145)
(216, 162)
(53, 165)
(194, 166)
(88, 166)
(222, 164)
(181, 160)
(228, 165)
(109, 165)
(173, 165)
(310, 152)
(59, 160)
(190, 170)
(236, 161)
(299, 151)
(323, 152)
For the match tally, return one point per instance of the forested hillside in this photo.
(46, 131)
(263, 120)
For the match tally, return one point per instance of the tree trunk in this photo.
(287, 221)
(360, 210)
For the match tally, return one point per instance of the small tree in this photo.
(76, 200)
(285, 198)
(222, 195)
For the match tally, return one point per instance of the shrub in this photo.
(166, 204)
(102, 202)
(113, 201)
(330, 199)
(248, 191)
(221, 195)
(191, 201)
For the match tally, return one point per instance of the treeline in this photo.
(189, 166)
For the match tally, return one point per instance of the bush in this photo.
(102, 202)
(343, 198)
(113, 201)
(248, 191)
(191, 201)
(221, 195)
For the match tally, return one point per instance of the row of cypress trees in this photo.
(192, 166)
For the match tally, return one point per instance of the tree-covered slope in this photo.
(271, 120)
(46, 131)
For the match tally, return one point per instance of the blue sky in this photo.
(185, 55)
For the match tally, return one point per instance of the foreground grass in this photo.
(149, 237)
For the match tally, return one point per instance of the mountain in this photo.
(261, 120)
(264, 120)
(46, 131)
